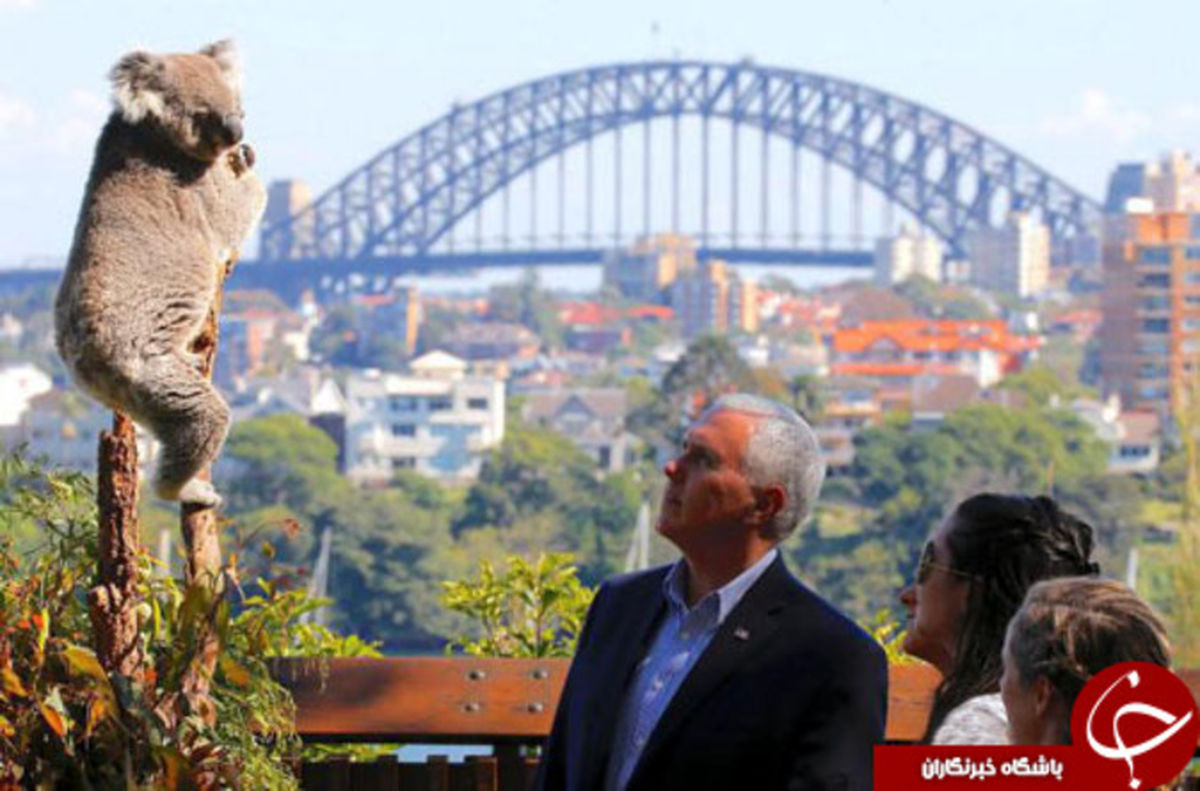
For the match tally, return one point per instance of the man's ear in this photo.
(135, 81)
(769, 501)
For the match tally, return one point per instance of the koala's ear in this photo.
(135, 81)
(224, 52)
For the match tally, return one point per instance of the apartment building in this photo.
(433, 419)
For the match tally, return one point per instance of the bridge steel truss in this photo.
(400, 203)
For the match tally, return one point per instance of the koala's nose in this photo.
(233, 126)
(248, 155)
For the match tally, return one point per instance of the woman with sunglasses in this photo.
(972, 577)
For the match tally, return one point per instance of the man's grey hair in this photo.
(782, 450)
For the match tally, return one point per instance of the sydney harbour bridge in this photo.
(756, 164)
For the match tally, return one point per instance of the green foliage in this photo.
(1040, 384)
(709, 368)
(537, 476)
(904, 479)
(531, 609)
(890, 637)
(808, 395)
(64, 722)
(526, 303)
(286, 472)
(934, 300)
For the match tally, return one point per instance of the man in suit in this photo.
(722, 671)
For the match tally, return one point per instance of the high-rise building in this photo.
(645, 272)
(1151, 303)
(909, 253)
(435, 420)
(714, 299)
(1171, 184)
(1014, 259)
(285, 198)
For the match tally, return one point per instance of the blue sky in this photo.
(1076, 85)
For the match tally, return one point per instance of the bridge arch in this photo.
(950, 177)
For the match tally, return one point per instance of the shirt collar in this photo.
(675, 586)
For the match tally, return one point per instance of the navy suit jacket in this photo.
(789, 694)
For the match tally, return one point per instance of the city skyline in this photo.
(1090, 85)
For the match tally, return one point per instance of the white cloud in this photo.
(1096, 114)
(15, 114)
(1185, 114)
(16, 3)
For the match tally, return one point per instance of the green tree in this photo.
(934, 300)
(527, 303)
(537, 474)
(709, 368)
(530, 609)
(808, 395)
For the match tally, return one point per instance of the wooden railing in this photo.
(506, 703)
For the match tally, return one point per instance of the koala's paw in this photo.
(241, 158)
(198, 492)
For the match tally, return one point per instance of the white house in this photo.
(435, 420)
(20, 383)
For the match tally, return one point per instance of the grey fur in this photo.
(170, 199)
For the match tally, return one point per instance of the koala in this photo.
(171, 197)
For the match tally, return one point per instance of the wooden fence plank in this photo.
(436, 699)
(452, 700)
(910, 694)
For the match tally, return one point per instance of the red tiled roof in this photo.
(929, 335)
(374, 300)
(660, 312)
(892, 369)
(587, 313)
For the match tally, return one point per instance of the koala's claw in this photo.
(198, 492)
(241, 158)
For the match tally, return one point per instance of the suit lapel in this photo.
(629, 642)
(746, 629)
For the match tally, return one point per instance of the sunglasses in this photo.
(928, 564)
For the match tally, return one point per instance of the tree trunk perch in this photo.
(200, 529)
(112, 602)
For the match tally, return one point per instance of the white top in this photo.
(977, 720)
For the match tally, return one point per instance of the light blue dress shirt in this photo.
(680, 641)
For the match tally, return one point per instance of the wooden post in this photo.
(202, 562)
(112, 602)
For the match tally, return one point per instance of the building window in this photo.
(1157, 348)
(1156, 280)
(1192, 300)
(440, 404)
(1192, 253)
(1155, 302)
(1190, 324)
(402, 403)
(404, 463)
(1192, 278)
(1152, 392)
(404, 430)
(477, 403)
(1156, 325)
(1152, 371)
(1156, 255)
